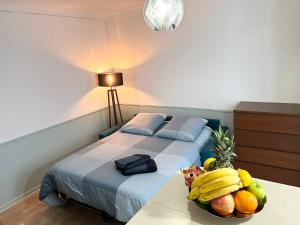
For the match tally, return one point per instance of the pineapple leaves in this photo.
(223, 148)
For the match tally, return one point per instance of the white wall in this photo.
(47, 70)
(223, 52)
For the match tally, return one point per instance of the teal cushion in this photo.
(110, 131)
(206, 151)
(213, 123)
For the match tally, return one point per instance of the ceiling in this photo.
(95, 7)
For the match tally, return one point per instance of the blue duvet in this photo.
(89, 176)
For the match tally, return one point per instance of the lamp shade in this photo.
(110, 79)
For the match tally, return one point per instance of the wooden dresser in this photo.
(268, 140)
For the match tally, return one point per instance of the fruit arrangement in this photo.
(219, 188)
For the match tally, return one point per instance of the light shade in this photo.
(163, 15)
(110, 79)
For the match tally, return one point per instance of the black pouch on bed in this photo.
(131, 161)
(147, 167)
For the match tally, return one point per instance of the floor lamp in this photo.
(111, 80)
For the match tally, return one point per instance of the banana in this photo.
(208, 176)
(218, 183)
(241, 184)
(194, 194)
(219, 192)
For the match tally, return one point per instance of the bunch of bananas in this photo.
(214, 184)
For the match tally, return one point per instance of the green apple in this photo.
(258, 190)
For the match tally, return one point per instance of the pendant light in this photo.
(163, 15)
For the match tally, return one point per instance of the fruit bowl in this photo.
(225, 193)
(235, 214)
(219, 188)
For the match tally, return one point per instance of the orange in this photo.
(245, 202)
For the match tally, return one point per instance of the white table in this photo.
(171, 207)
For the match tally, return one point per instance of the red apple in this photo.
(223, 205)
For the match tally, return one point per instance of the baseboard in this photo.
(13, 202)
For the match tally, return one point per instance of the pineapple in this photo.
(224, 149)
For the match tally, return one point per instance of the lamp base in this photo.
(113, 98)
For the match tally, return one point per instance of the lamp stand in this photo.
(112, 95)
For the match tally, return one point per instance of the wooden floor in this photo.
(33, 212)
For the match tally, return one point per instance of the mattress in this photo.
(89, 176)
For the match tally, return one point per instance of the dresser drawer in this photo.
(266, 140)
(284, 176)
(267, 122)
(268, 157)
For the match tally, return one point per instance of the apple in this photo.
(223, 205)
(258, 190)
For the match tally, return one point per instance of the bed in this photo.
(89, 176)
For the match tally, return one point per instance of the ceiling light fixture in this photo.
(163, 15)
